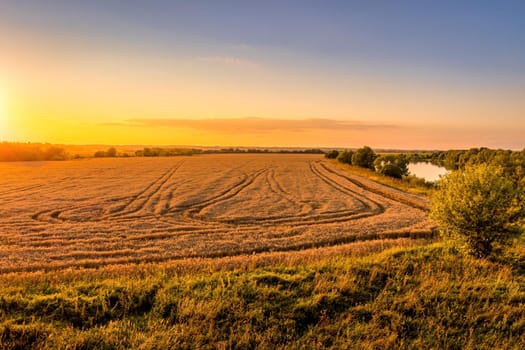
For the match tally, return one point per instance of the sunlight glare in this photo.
(3, 119)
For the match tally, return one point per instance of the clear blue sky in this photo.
(410, 65)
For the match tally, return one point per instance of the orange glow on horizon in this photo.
(90, 84)
(4, 127)
(87, 99)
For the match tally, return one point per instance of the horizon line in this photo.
(250, 147)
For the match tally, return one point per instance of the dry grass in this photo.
(102, 212)
(410, 297)
(409, 184)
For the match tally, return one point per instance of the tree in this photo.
(112, 152)
(364, 157)
(345, 157)
(392, 165)
(391, 170)
(478, 207)
(332, 154)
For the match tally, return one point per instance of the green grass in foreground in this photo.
(426, 296)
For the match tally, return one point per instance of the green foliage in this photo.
(452, 158)
(395, 166)
(332, 154)
(364, 157)
(420, 297)
(392, 170)
(164, 152)
(262, 150)
(417, 182)
(345, 157)
(111, 152)
(410, 183)
(512, 162)
(478, 206)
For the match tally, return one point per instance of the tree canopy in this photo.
(392, 165)
(345, 157)
(478, 207)
(332, 154)
(364, 157)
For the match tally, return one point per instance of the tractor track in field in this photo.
(245, 205)
(387, 192)
(147, 197)
(221, 197)
(155, 203)
(19, 190)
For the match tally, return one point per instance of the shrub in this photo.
(345, 157)
(392, 170)
(392, 165)
(478, 207)
(364, 157)
(112, 152)
(332, 154)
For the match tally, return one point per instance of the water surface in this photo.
(427, 171)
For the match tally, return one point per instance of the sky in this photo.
(389, 74)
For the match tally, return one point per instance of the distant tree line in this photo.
(390, 165)
(512, 163)
(264, 150)
(165, 152)
(458, 159)
(171, 152)
(12, 152)
(111, 152)
(396, 165)
(148, 152)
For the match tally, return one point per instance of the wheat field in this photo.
(100, 212)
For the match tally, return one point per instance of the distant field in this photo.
(98, 212)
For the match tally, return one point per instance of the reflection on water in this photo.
(427, 171)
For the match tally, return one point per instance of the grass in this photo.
(382, 293)
(409, 184)
(419, 296)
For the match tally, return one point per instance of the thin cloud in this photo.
(230, 60)
(243, 47)
(254, 125)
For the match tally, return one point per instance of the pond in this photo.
(427, 171)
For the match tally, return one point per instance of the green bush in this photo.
(332, 154)
(111, 152)
(392, 170)
(478, 207)
(364, 157)
(345, 157)
(392, 165)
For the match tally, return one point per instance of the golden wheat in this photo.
(99, 212)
